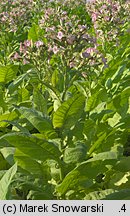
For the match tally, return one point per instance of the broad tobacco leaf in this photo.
(6, 181)
(33, 147)
(86, 171)
(8, 73)
(69, 112)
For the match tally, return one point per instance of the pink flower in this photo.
(94, 16)
(106, 18)
(16, 56)
(55, 49)
(64, 13)
(90, 50)
(104, 6)
(60, 35)
(27, 43)
(3, 19)
(38, 43)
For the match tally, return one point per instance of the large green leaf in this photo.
(89, 128)
(86, 171)
(14, 85)
(33, 76)
(39, 101)
(33, 33)
(75, 155)
(8, 73)
(55, 170)
(121, 71)
(55, 78)
(69, 112)
(95, 99)
(8, 153)
(33, 147)
(109, 155)
(6, 181)
(123, 165)
(40, 122)
(114, 120)
(83, 173)
(3, 162)
(97, 143)
(23, 95)
(3, 104)
(4, 118)
(27, 163)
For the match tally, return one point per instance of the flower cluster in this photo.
(108, 16)
(73, 33)
(14, 13)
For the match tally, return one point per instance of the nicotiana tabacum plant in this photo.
(65, 101)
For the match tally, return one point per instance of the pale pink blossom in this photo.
(94, 16)
(55, 49)
(38, 44)
(27, 43)
(91, 50)
(107, 18)
(60, 35)
(16, 56)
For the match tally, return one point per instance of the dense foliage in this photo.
(64, 99)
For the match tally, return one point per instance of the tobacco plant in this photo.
(65, 101)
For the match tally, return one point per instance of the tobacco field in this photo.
(64, 100)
